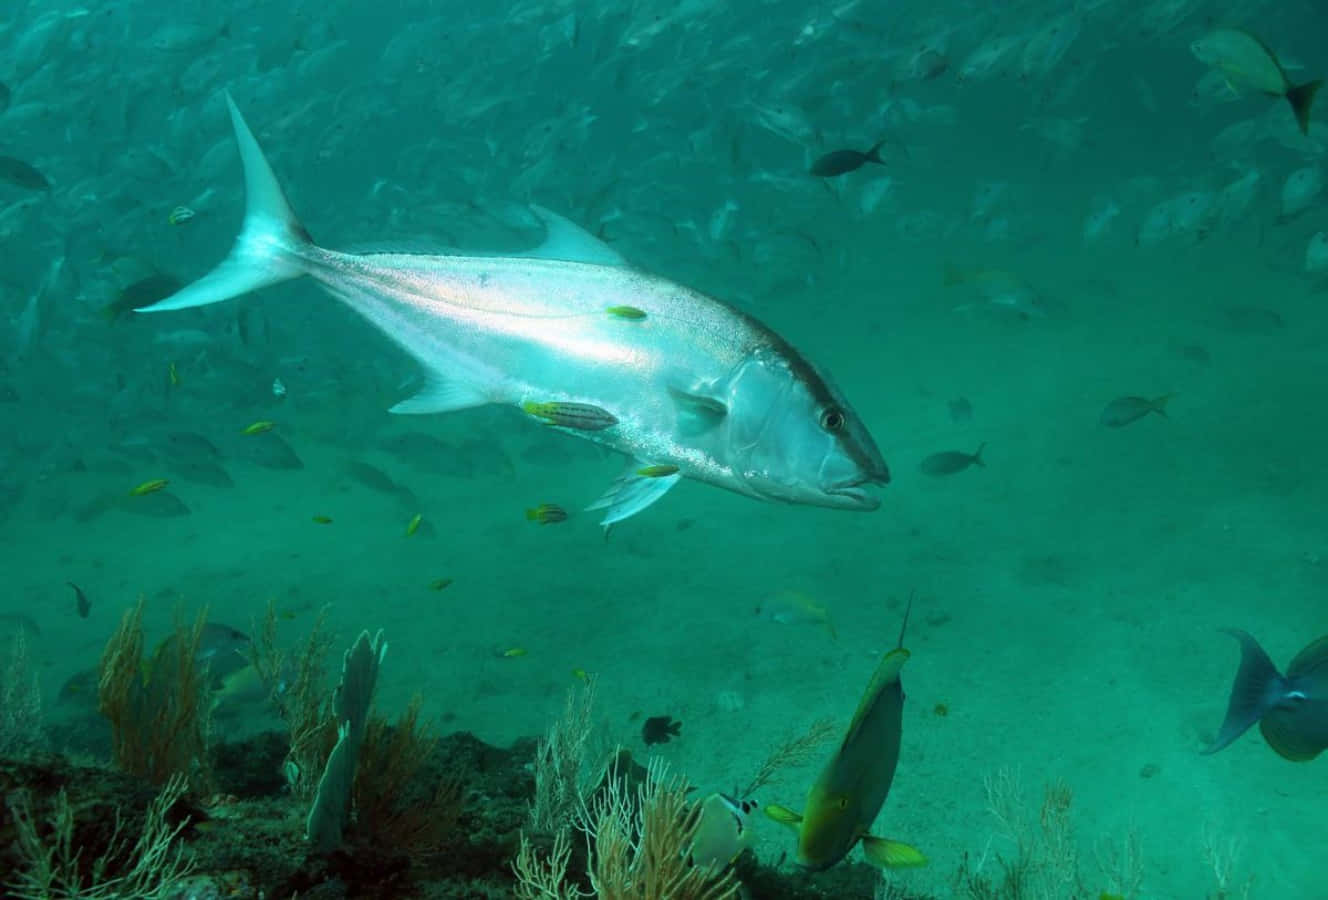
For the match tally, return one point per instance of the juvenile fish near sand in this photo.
(949, 462)
(697, 385)
(1124, 410)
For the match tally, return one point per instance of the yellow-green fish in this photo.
(546, 514)
(262, 426)
(174, 375)
(149, 487)
(846, 799)
(414, 524)
(1246, 61)
(512, 652)
(581, 675)
(630, 313)
(663, 471)
(581, 416)
(323, 520)
(439, 584)
(180, 215)
(796, 608)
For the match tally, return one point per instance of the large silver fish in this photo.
(684, 385)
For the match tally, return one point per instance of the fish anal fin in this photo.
(891, 854)
(439, 396)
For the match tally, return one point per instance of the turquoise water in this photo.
(1068, 593)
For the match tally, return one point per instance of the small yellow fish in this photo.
(439, 584)
(175, 376)
(414, 524)
(661, 471)
(180, 215)
(512, 652)
(581, 675)
(323, 520)
(546, 514)
(630, 313)
(149, 487)
(287, 615)
(259, 427)
(582, 416)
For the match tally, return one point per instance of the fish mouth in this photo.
(852, 492)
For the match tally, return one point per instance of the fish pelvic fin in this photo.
(632, 492)
(891, 854)
(271, 243)
(1255, 692)
(1301, 98)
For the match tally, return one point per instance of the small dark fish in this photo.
(270, 451)
(20, 174)
(1291, 709)
(951, 461)
(660, 729)
(81, 601)
(961, 411)
(4, 97)
(202, 471)
(144, 292)
(1124, 410)
(841, 162)
(547, 514)
(157, 504)
(188, 444)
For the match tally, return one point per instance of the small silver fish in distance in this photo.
(951, 461)
(698, 384)
(1124, 410)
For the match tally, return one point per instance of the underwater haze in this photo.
(1067, 264)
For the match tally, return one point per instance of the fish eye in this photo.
(832, 420)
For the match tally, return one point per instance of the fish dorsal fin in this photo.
(568, 241)
(1313, 661)
(441, 395)
(886, 673)
(891, 854)
(697, 413)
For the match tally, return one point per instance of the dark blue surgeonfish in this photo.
(1291, 709)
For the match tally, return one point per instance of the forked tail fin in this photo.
(268, 249)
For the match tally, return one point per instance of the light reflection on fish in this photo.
(694, 383)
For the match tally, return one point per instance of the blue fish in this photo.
(1291, 709)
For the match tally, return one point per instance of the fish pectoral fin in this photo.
(891, 854)
(441, 395)
(632, 492)
(782, 814)
(697, 413)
